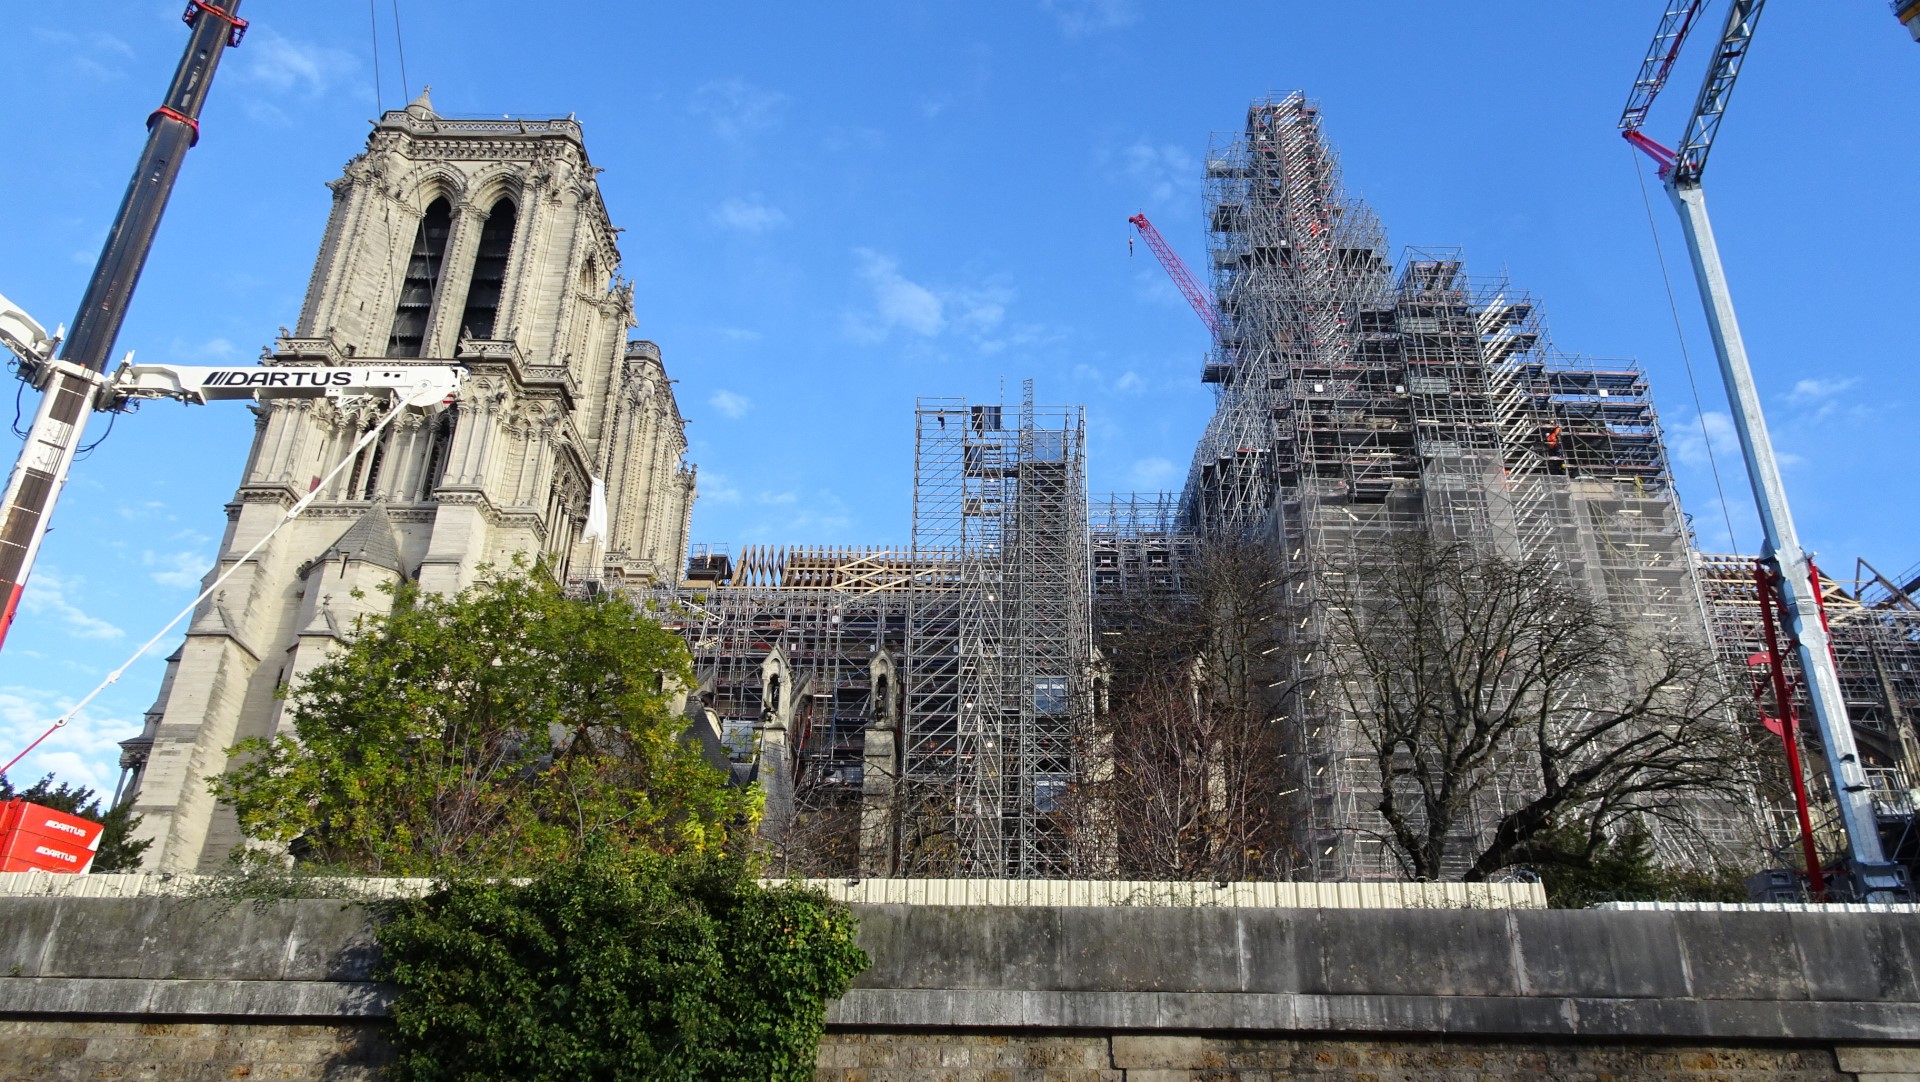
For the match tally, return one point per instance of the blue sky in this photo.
(832, 208)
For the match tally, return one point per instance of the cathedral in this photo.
(481, 243)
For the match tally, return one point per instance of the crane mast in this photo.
(1874, 877)
(71, 385)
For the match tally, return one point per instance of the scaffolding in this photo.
(1355, 402)
(1139, 544)
(998, 652)
(822, 615)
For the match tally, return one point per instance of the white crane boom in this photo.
(1872, 876)
(413, 384)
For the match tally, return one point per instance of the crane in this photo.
(407, 385)
(70, 386)
(1196, 294)
(1874, 878)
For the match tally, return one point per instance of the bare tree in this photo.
(1196, 778)
(1493, 687)
(822, 837)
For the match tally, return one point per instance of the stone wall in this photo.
(1004, 1057)
(178, 988)
(83, 1050)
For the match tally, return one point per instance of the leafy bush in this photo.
(616, 965)
(487, 732)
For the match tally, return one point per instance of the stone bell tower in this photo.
(483, 243)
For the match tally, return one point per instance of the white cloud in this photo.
(750, 215)
(980, 310)
(85, 751)
(897, 302)
(98, 56)
(977, 312)
(281, 65)
(109, 44)
(1080, 18)
(716, 488)
(736, 108)
(211, 351)
(1166, 173)
(1689, 442)
(46, 595)
(739, 334)
(730, 405)
(818, 515)
(178, 570)
(1152, 473)
(1128, 383)
(1815, 390)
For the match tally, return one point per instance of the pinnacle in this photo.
(421, 108)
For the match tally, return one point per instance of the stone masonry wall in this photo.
(94, 1050)
(85, 1050)
(990, 1057)
(178, 989)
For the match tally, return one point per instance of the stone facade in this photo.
(479, 243)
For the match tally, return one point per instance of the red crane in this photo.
(1183, 279)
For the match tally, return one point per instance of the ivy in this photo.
(616, 965)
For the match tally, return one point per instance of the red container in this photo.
(33, 838)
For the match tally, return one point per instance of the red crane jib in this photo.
(1183, 278)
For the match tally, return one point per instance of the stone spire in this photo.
(421, 108)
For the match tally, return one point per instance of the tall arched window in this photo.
(489, 271)
(423, 278)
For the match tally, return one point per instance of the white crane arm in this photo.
(413, 384)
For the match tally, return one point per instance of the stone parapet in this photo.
(1147, 993)
(1119, 893)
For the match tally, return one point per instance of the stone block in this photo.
(1878, 1059)
(1866, 956)
(1157, 1051)
(1593, 953)
(1741, 956)
(1432, 952)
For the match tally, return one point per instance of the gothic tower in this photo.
(483, 243)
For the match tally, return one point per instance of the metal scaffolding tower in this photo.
(1356, 402)
(997, 654)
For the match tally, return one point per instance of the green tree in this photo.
(616, 966)
(1581, 867)
(488, 731)
(118, 851)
